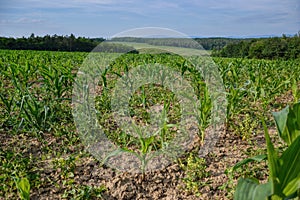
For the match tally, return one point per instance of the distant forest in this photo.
(62, 43)
(269, 48)
(50, 43)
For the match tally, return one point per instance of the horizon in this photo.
(190, 37)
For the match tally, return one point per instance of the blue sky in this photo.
(104, 18)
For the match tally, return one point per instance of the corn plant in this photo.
(23, 74)
(145, 147)
(9, 103)
(36, 112)
(204, 111)
(57, 81)
(146, 144)
(284, 170)
(143, 97)
(288, 123)
(295, 91)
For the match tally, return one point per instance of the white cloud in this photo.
(164, 5)
(25, 20)
(63, 4)
(22, 20)
(246, 5)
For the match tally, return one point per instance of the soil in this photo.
(163, 184)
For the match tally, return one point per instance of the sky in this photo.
(105, 18)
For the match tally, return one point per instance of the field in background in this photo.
(145, 48)
(39, 140)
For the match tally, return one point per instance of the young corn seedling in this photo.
(57, 81)
(146, 145)
(35, 112)
(143, 153)
(164, 123)
(204, 112)
(9, 103)
(143, 96)
(161, 119)
(21, 75)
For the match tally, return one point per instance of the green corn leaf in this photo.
(292, 187)
(288, 123)
(289, 175)
(257, 158)
(115, 153)
(272, 161)
(250, 189)
(280, 120)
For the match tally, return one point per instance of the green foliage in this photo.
(257, 158)
(250, 189)
(295, 91)
(195, 169)
(84, 192)
(284, 176)
(149, 103)
(57, 80)
(23, 187)
(35, 97)
(50, 43)
(36, 88)
(288, 123)
(16, 172)
(66, 166)
(245, 128)
(267, 48)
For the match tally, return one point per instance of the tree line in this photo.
(63, 43)
(50, 43)
(264, 48)
(201, 43)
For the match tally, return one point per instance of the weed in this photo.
(23, 187)
(195, 172)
